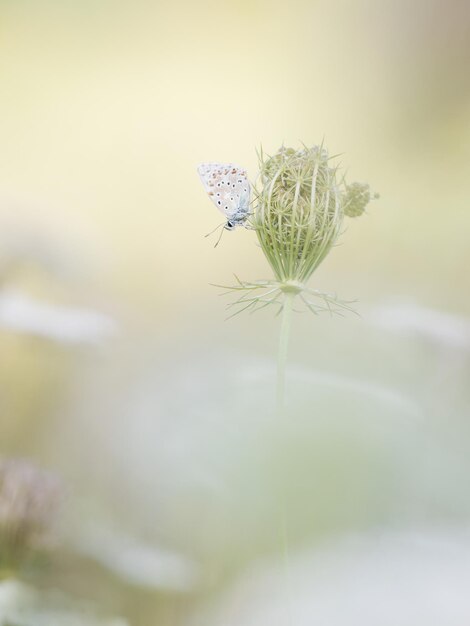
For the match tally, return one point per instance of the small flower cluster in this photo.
(356, 197)
(29, 499)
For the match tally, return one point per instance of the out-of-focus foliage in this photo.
(23, 606)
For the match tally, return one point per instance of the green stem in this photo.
(283, 347)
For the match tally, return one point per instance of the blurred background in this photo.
(188, 503)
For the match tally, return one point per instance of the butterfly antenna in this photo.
(220, 236)
(222, 227)
(213, 231)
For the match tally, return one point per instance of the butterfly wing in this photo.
(227, 186)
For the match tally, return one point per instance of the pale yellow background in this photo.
(106, 109)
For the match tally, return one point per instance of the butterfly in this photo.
(229, 189)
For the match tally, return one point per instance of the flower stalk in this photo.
(299, 208)
(283, 348)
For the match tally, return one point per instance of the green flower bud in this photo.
(299, 211)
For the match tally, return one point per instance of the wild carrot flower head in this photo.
(29, 500)
(299, 212)
(300, 204)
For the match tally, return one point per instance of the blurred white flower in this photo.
(198, 457)
(24, 606)
(393, 398)
(136, 562)
(412, 320)
(20, 313)
(412, 578)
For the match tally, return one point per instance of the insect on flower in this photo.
(300, 203)
(227, 186)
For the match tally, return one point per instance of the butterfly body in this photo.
(227, 186)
